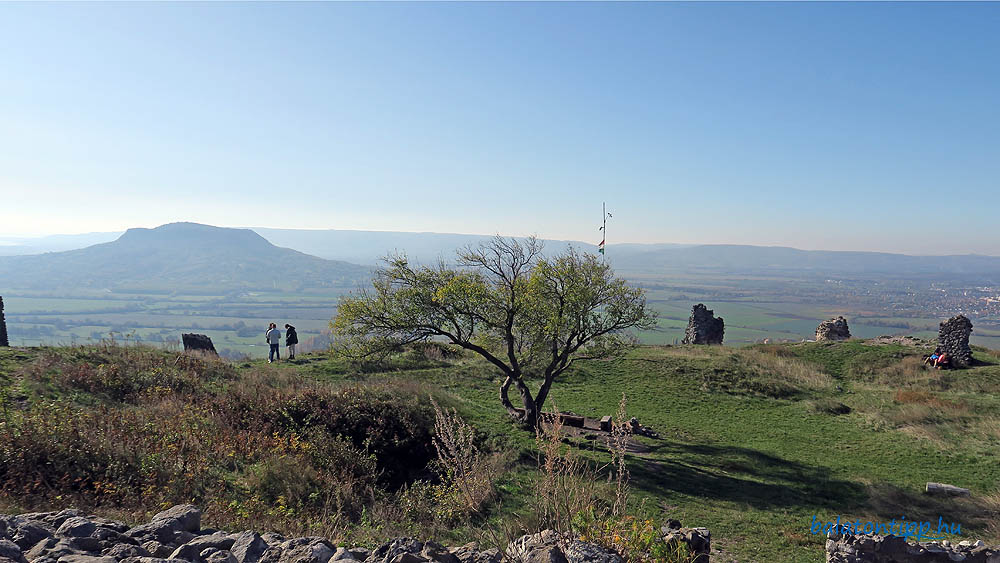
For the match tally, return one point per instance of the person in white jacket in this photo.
(273, 336)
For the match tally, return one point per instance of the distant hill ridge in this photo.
(367, 247)
(178, 257)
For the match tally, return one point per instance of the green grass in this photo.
(753, 442)
(754, 468)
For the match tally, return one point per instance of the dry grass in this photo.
(762, 372)
(779, 365)
(910, 371)
(129, 427)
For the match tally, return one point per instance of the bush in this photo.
(387, 421)
(134, 427)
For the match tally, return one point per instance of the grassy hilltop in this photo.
(753, 441)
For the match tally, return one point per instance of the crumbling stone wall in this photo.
(953, 338)
(703, 327)
(3, 326)
(176, 534)
(833, 329)
(894, 549)
(198, 342)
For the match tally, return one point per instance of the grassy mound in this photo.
(754, 442)
(136, 427)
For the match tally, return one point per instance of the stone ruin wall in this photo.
(953, 338)
(703, 327)
(894, 549)
(833, 329)
(198, 342)
(3, 327)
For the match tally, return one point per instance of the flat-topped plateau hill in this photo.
(178, 257)
(753, 442)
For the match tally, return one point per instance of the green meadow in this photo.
(753, 441)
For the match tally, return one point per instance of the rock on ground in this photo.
(175, 536)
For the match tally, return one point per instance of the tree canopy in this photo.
(529, 315)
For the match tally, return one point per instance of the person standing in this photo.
(291, 339)
(273, 336)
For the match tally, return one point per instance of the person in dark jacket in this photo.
(291, 339)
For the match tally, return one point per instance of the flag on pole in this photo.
(600, 247)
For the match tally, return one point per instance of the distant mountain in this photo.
(180, 257)
(773, 259)
(18, 246)
(368, 247)
(251, 258)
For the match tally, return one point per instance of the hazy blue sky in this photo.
(834, 126)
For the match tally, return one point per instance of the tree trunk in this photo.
(530, 416)
(543, 392)
(504, 398)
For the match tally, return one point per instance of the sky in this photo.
(840, 126)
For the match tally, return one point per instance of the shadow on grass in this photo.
(973, 513)
(743, 475)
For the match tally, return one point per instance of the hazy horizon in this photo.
(9, 239)
(816, 126)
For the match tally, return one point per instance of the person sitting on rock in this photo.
(932, 359)
(943, 361)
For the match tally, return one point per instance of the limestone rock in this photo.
(833, 329)
(160, 530)
(343, 554)
(953, 338)
(698, 540)
(470, 553)
(124, 550)
(29, 533)
(77, 527)
(84, 558)
(301, 550)
(703, 327)
(577, 551)
(89, 539)
(157, 549)
(187, 515)
(191, 550)
(892, 549)
(248, 547)
(546, 554)
(219, 556)
(10, 550)
(387, 552)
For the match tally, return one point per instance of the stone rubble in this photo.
(703, 327)
(175, 535)
(894, 549)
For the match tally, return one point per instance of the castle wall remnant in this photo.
(198, 342)
(833, 329)
(953, 338)
(3, 326)
(703, 327)
(894, 549)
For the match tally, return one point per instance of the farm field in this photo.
(236, 321)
